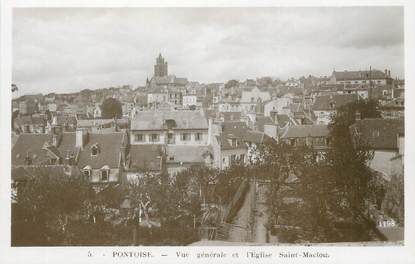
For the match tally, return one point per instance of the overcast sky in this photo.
(67, 49)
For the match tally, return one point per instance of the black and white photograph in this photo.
(206, 127)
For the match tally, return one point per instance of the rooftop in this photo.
(302, 131)
(332, 101)
(379, 133)
(145, 157)
(156, 120)
(109, 145)
(359, 75)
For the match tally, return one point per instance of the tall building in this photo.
(160, 68)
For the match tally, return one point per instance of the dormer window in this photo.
(87, 171)
(105, 172)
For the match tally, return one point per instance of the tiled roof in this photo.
(398, 103)
(241, 132)
(261, 121)
(31, 145)
(63, 119)
(187, 154)
(109, 145)
(379, 133)
(283, 119)
(170, 79)
(234, 128)
(324, 102)
(101, 122)
(256, 137)
(359, 75)
(155, 120)
(231, 116)
(145, 157)
(31, 120)
(225, 143)
(302, 131)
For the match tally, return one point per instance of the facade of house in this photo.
(102, 155)
(169, 127)
(28, 107)
(385, 137)
(373, 77)
(254, 95)
(234, 143)
(156, 97)
(315, 136)
(30, 124)
(325, 106)
(182, 135)
(189, 100)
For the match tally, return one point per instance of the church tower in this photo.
(160, 68)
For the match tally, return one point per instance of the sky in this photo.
(69, 49)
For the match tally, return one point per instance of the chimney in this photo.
(81, 138)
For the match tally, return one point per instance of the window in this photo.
(139, 137)
(171, 158)
(87, 173)
(185, 137)
(154, 137)
(234, 142)
(105, 174)
(170, 138)
(242, 157)
(198, 136)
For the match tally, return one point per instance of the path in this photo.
(239, 232)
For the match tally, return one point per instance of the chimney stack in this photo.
(81, 138)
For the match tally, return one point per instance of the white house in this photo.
(189, 100)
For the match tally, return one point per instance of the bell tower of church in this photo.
(160, 68)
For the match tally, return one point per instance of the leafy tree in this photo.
(231, 83)
(347, 159)
(45, 204)
(111, 108)
(14, 88)
(349, 156)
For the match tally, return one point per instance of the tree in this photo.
(14, 88)
(111, 108)
(45, 204)
(347, 159)
(231, 83)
